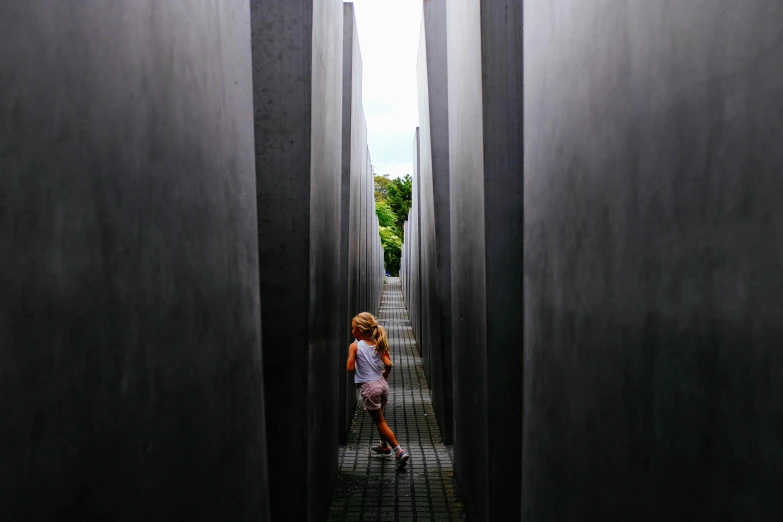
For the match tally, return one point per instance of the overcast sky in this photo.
(389, 40)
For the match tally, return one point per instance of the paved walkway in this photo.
(367, 486)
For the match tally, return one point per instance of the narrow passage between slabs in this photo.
(367, 486)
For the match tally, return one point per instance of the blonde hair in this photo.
(370, 329)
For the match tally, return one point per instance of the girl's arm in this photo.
(351, 364)
(387, 364)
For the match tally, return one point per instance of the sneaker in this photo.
(382, 450)
(402, 459)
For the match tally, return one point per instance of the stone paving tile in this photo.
(368, 488)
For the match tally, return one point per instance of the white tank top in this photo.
(369, 365)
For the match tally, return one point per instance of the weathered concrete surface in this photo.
(653, 216)
(361, 268)
(362, 224)
(435, 228)
(423, 201)
(352, 124)
(367, 212)
(297, 82)
(413, 300)
(485, 151)
(405, 264)
(130, 368)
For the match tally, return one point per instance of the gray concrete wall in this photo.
(404, 262)
(653, 223)
(358, 144)
(414, 308)
(367, 213)
(408, 262)
(427, 308)
(352, 121)
(380, 275)
(437, 85)
(404, 253)
(363, 211)
(485, 151)
(380, 269)
(409, 241)
(130, 368)
(361, 268)
(435, 245)
(375, 271)
(297, 82)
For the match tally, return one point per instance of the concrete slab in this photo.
(130, 366)
(485, 151)
(435, 227)
(297, 64)
(349, 285)
(652, 236)
(415, 243)
(362, 269)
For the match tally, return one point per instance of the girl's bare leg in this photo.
(383, 439)
(386, 433)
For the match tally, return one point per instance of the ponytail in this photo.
(370, 329)
(381, 341)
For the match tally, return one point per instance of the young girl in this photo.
(367, 356)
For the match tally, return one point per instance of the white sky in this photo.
(389, 40)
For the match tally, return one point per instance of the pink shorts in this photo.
(375, 395)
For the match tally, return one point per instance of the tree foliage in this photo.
(393, 199)
(392, 248)
(382, 187)
(401, 197)
(386, 216)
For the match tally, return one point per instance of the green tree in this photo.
(382, 187)
(393, 198)
(386, 216)
(401, 198)
(392, 248)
